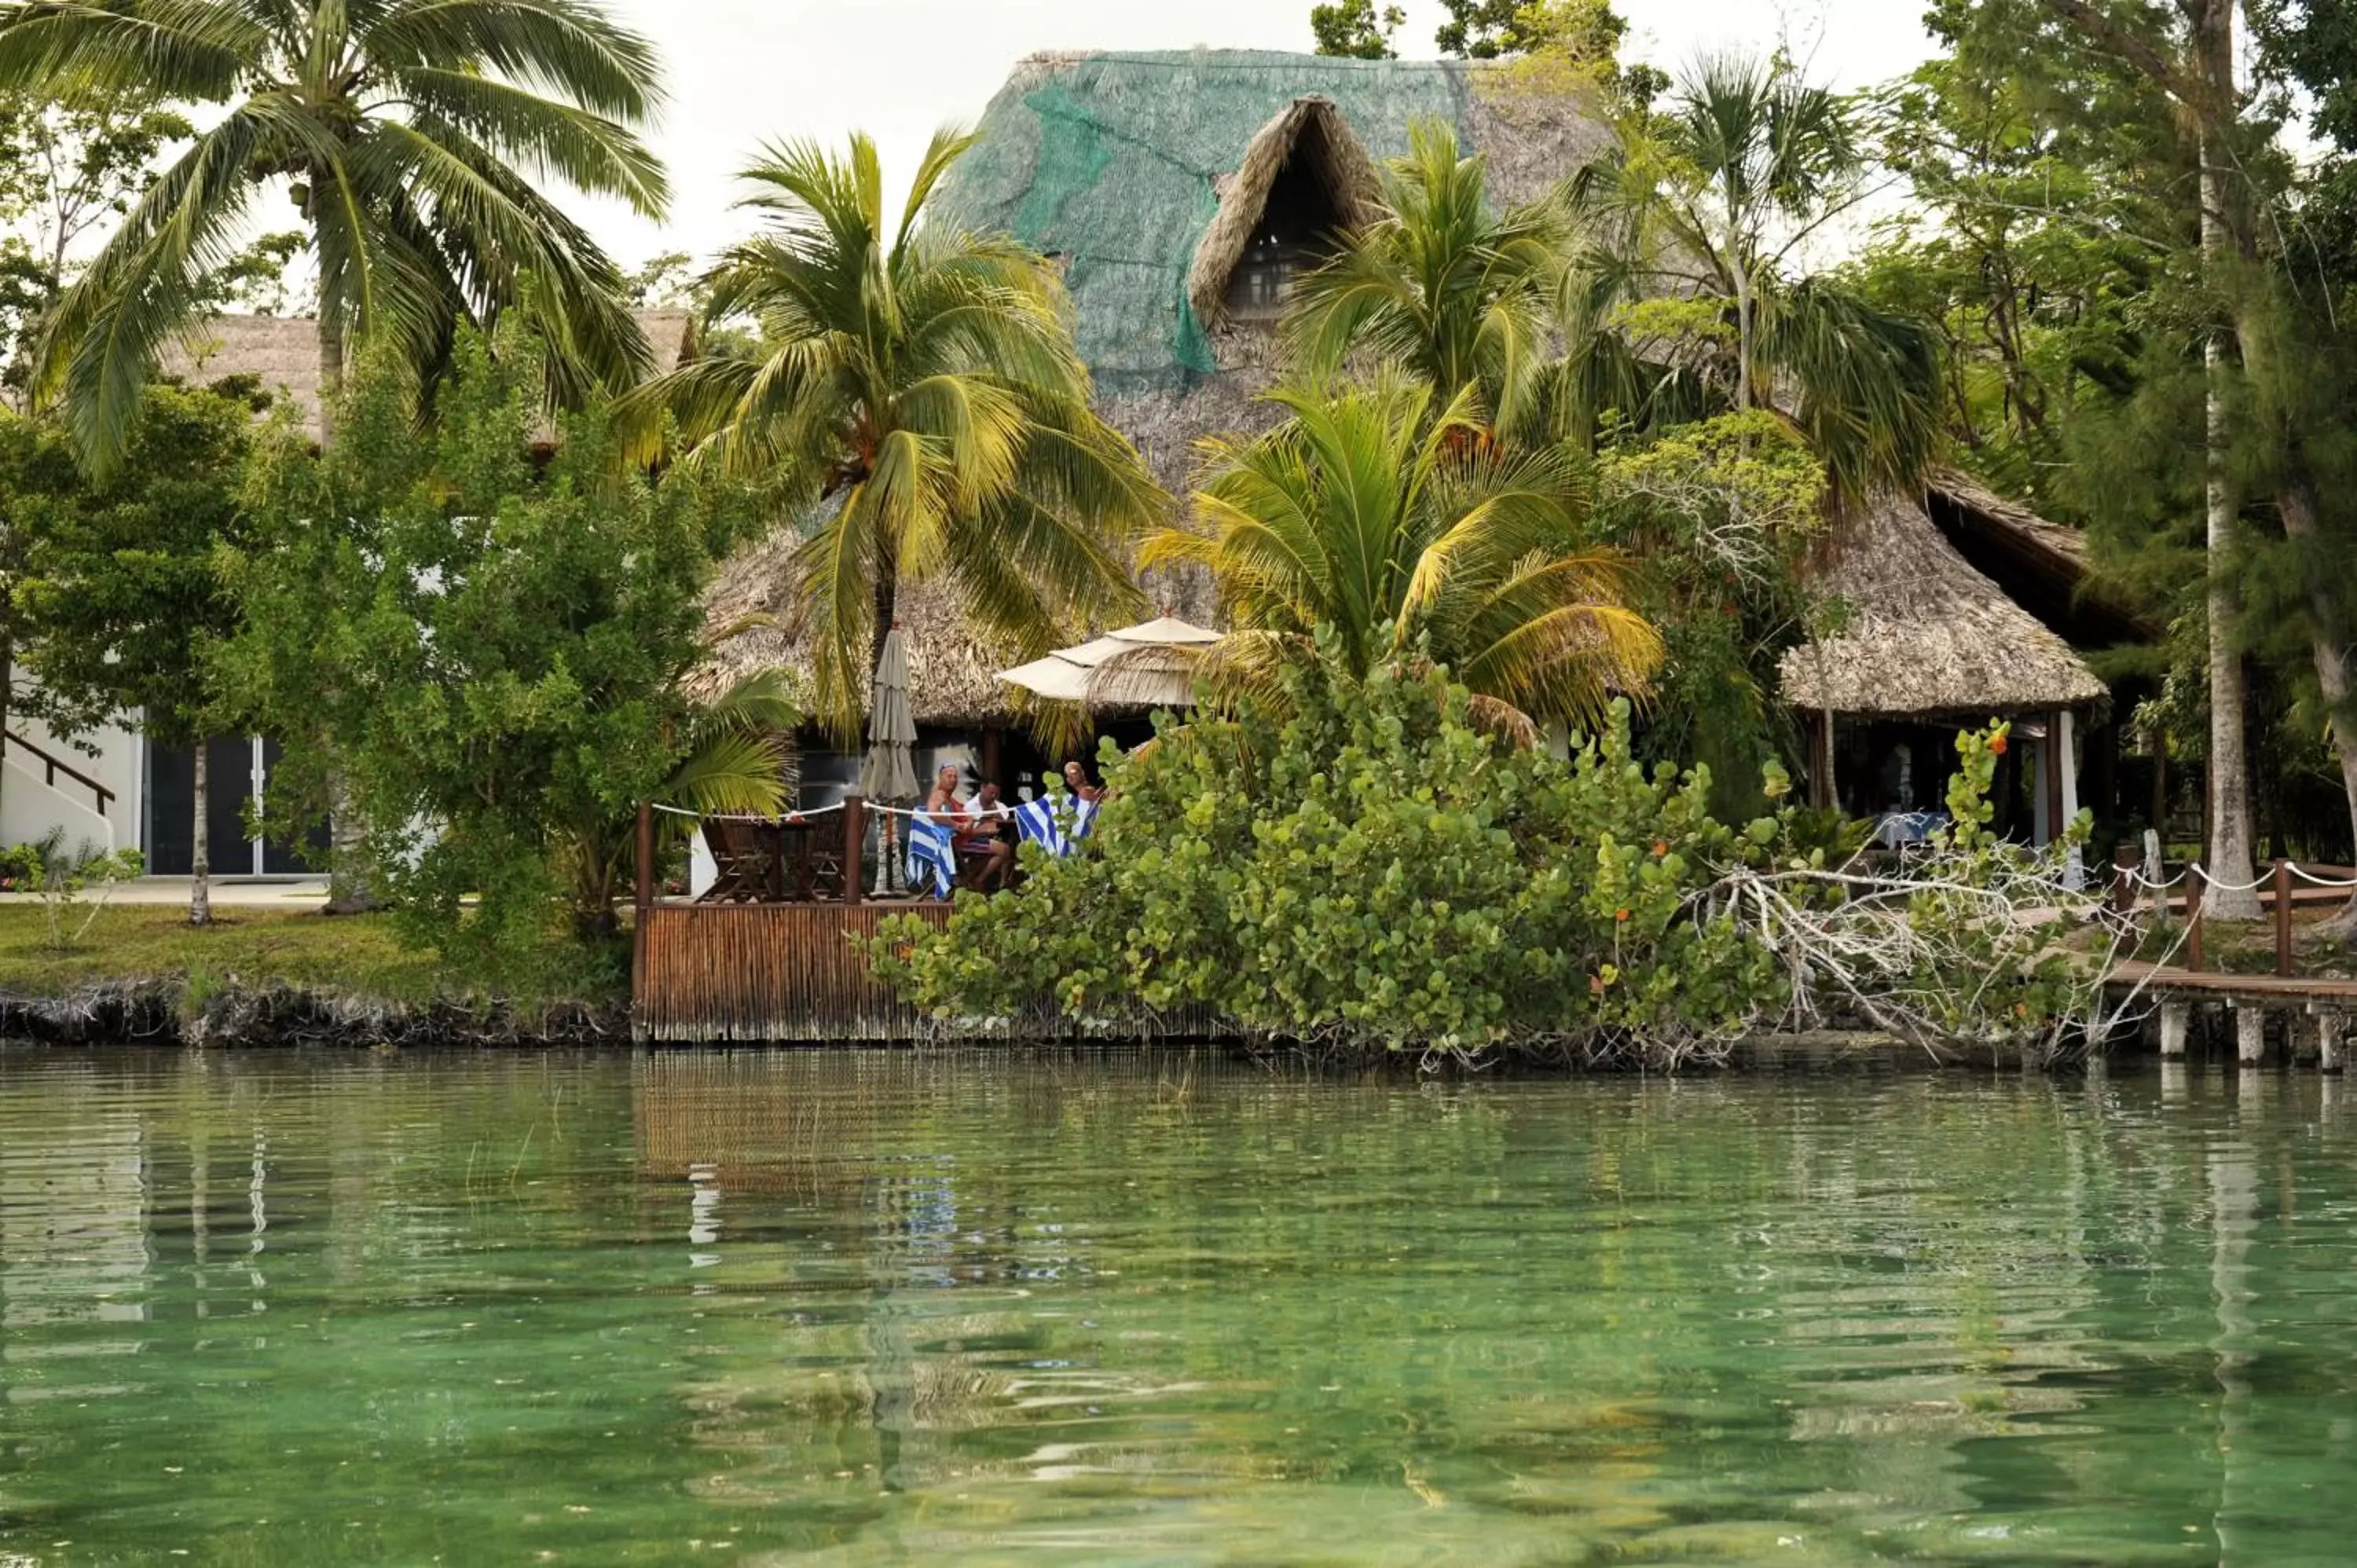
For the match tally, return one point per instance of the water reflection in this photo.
(861, 1307)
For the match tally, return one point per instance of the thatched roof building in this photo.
(1927, 635)
(1155, 178)
(282, 352)
(1176, 189)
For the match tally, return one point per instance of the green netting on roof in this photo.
(1108, 161)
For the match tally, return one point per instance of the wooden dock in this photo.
(767, 973)
(2315, 1012)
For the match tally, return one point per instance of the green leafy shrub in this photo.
(1362, 865)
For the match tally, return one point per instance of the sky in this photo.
(744, 70)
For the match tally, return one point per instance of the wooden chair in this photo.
(747, 869)
(810, 861)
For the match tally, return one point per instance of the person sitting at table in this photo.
(943, 805)
(991, 838)
(1076, 780)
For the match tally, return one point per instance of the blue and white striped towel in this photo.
(1055, 822)
(931, 856)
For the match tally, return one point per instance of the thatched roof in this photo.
(2063, 551)
(1145, 173)
(282, 352)
(1927, 635)
(2043, 565)
(756, 603)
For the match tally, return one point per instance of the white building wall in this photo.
(30, 806)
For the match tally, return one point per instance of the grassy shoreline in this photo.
(250, 951)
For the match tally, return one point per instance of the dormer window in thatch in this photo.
(1304, 182)
(1297, 231)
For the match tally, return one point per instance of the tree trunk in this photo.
(1736, 253)
(887, 607)
(7, 670)
(200, 860)
(2296, 500)
(349, 888)
(332, 376)
(2230, 781)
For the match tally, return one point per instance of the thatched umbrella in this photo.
(888, 774)
(1145, 666)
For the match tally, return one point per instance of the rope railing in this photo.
(787, 819)
(2132, 883)
(2135, 877)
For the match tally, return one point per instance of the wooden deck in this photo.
(2171, 984)
(775, 973)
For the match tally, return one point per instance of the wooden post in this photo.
(2250, 1034)
(2176, 1019)
(2105, 744)
(855, 841)
(2055, 763)
(2196, 881)
(2304, 1035)
(1821, 761)
(2124, 864)
(642, 895)
(2328, 1024)
(2283, 917)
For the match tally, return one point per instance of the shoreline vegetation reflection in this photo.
(854, 1308)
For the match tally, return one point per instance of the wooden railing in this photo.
(105, 796)
(2281, 890)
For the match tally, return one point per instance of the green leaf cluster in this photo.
(1362, 865)
(486, 643)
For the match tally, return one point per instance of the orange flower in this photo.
(1997, 745)
(1660, 848)
(1622, 916)
(1596, 985)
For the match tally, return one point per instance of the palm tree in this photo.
(1441, 286)
(1401, 525)
(1693, 227)
(407, 132)
(732, 764)
(919, 405)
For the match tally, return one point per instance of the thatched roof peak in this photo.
(1310, 128)
(1927, 635)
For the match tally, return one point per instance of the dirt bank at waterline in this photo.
(166, 1013)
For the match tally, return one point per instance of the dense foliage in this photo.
(918, 404)
(1360, 864)
(1362, 867)
(494, 642)
(1391, 521)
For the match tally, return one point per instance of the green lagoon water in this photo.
(855, 1308)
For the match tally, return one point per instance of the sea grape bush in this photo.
(1363, 864)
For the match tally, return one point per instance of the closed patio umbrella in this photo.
(888, 774)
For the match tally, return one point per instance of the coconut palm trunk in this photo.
(331, 375)
(2296, 499)
(2231, 858)
(350, 889)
